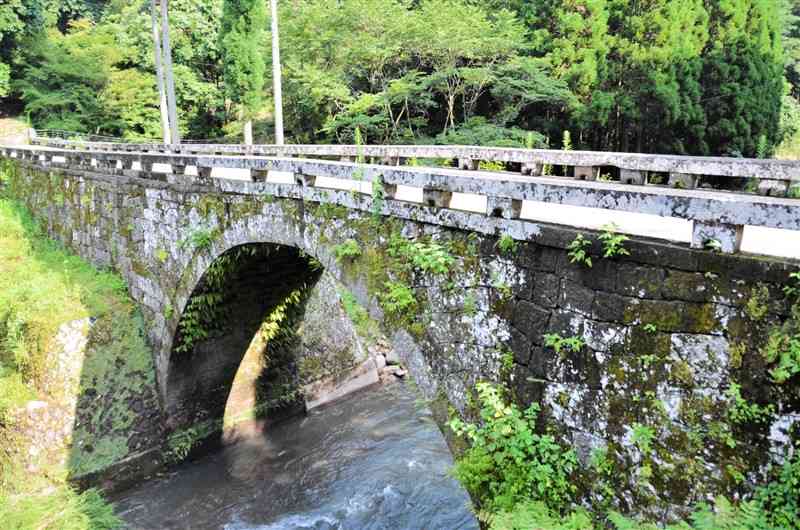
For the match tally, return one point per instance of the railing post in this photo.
(632, 176)
(586, 173)
(533, 169)
(773, 188)
(259, 175)
(682, 180)
(726, 238)
(467, 164)
(503, 207)
(307, 181)
(436, 198)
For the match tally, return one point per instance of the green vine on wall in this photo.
(205, 314)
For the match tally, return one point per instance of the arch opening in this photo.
(240, 326)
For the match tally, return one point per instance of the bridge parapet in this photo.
(775, 177)
(719, 216)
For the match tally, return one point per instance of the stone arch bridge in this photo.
(461, 296)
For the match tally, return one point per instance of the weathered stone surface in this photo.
(657, 327)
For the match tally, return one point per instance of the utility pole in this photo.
(173, 111)
(276, 75)
(160, 73)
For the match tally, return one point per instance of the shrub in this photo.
(578, 251)
(508, 461)
(348, 250)
(613, 242)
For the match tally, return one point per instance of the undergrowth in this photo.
(522, 479)
(42, 287)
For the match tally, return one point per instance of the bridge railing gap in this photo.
(660, 185)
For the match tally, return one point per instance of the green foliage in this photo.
(780, 499)
(241, 39)
(358, 315)
(507, 244)
(378, 198)
(642, 437)
(508, 461)
(41, 287)
(613, 243)
(688, 76)
(398, 300)
(427, 257)
(560, 344)
(348, 250)
(5, 80)
(742, 411)
(757, 305)
(792, 290)
(783, 351)
(199, 239)
(566, 142)
(61, 508)
(204, 313)
(578, 251)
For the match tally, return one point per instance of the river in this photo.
(375, 460)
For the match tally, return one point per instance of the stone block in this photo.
(531, 321)
(436, 198)
(686, 286)
(632, 176)
(586, 173)
(546, 289)
(576, 298)
(521, 347)
(307, 181)
(533, 169)
(610, 307)
(683, 181)
(259, 175)
(467, 164)
(723, 237)
(773, 188)
(503, 207)
(639, 281)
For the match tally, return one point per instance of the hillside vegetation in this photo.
(673, 76)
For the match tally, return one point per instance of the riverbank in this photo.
(65, 330)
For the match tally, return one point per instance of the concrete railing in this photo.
(777, 178)
(719, 217)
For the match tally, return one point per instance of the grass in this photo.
(41, 287)
(58, 509)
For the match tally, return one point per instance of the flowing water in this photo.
(373, 461)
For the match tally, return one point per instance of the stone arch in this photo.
(191, 391)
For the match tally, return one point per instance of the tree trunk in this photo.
(170, 78)
(248, 132)
(160, 73)
(276, 75)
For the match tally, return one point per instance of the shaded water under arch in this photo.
(375, 460)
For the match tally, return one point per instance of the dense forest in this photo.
(672, 76)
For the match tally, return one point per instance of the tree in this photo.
(241, 39)
(743, 77)
(169, 75)
(162, 92)
(64, 76)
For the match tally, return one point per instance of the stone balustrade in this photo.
(719, 217)
(774, 177)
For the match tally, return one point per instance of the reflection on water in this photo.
(373, 461)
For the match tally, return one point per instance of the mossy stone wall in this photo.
(670, 335)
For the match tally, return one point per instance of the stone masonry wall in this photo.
(671, 337)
